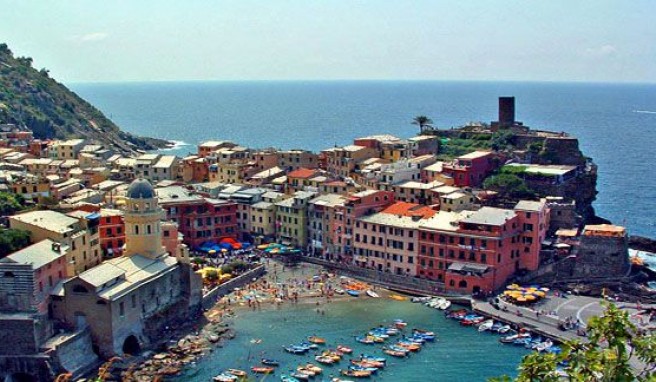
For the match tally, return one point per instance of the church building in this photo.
(126, 300)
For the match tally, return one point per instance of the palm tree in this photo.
(422, 121)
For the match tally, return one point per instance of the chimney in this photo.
(506, 111)
(56, 247)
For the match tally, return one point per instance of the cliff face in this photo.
(32, 100)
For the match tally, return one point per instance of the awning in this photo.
(468, 267)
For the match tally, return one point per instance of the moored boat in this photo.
(237, 372)
(344, 349)
(288, 378)
(269, 362)
(316, 369)
(486, 325)
(356, 373)
(339, 291)
(262, 369)
(325, 360)
(371, 293)
(224, 378)
(317, 340)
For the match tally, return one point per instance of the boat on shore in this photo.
(397, 297)
(371, 293)
(353, 293)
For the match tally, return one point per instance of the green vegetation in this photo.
(423, 122)
(211, 275)
(451, 148)
(30, 98)
(513, 169)
(234, 267)
(11, 240)
(508, 186)
(10, 203)
(614, 341)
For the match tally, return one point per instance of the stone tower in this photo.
(143, 231)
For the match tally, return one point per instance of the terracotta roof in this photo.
(302, 173)
(409, 209)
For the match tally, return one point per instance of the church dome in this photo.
(140, 189)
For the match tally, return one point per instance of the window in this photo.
(134, 301)
(121, 309)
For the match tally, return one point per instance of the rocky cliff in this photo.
(32, 100)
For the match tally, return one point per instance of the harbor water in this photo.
(459, 354)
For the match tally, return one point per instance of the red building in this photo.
(478, 251)
(471, 169)
(111, 232)
(198, 218)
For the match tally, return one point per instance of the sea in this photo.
(615, 123)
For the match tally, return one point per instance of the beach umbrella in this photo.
(223, 250)
(530, 297)
(544, 289)
(263, 246)
(507, 293)
(513, 287)
(211, 251)
(521, 299)
(539, 293)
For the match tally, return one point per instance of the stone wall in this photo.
(75, 353)
(18, 334)
(35, 366)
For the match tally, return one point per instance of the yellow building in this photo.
(263, 219)
(66, 149)
(292, 219)
(78, 232)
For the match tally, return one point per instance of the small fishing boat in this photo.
(287, 378)
(269, 362)
(316, 369)
(344, 349)
(356, 373)
(362, 368)
(372, 358)
(400, 324)
(224, 378)
(421, 299)
(399, 349)
(543, 346)
(456, 314)
(424, 333)
(486, 325)
(237, 372)
(339, 291)
(409, 345)
(365, 363)
(395, 353)
(353, 293)
(371, 293)
(367, 340)
(496, 326)
(444, 305)
(378, 332)
(295, 350)
(325, 360)
(504, 329)
(317, 340)
(398, 297)
(262, 369)
(511, 338)
(301, 376)
(303, 370)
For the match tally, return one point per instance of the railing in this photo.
(210, 298)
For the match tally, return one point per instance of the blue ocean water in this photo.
(460, 354)
(615, 123)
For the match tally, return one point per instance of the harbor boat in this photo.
(456, 314)
(398, 348)
(300, 376)
(511, 338)
(444, 305)
(269, 362)
(262, 369)
(395, 353)
(522, 341)
(496, 326)
(344, 349)
(339, 291)
(224, 378)
(400, 324)
(472, 320)
(355, 373)
(305, 371)
(420, 299)
(362, 368)
(425, 334)
(543, 346)
(409, 346)
(316, 369)
(317, 340)
(372, 358)
(486, 325)
(308, 345)
(371, 293)
(295, 350)
(353, 293)
(237, 372)
(325, 360)
(534, 342)
(365, 363)
(288, 378)
(367, 340)
(332, 354)
(379, 333)
(398, 297)
(504, 329)
(391, 331)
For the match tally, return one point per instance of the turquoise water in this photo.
(460, 353)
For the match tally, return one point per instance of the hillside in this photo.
(32, 100)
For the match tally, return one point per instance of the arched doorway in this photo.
(476, 289)
(462, 284)
(131, 346)
(22, 377)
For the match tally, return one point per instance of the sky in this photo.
(513, 40)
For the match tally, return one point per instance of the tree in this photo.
(11, 240)
(617, 351)
(508, 185)
(422, 121)
(10, 203)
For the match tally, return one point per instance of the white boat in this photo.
(446, 304)
(504, 329)
(421, 299)
(542, 346)
(485, 326)
(371, 293)
(339, 291)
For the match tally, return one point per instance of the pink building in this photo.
(28, 276)
(388, 241)
(470, 170)
(478, 251)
